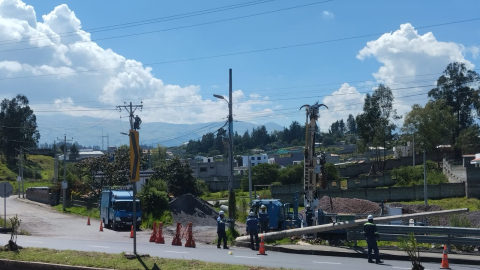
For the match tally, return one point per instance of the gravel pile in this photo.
(349, 206)
(188, 208)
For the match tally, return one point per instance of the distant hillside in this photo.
(87, 131)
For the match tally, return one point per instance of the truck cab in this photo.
(116, 208)
(279, 215)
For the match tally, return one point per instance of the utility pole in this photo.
(250, 179)
(231, 196)
(19, 172)
(64, 183)
(21, 162)
(413, 145)
(425, 194)
(55, 169)
(130, 109)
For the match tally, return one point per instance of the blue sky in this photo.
(329, 65)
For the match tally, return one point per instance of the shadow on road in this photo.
(155, 266)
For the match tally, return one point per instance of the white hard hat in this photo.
(252, 214)
(308, 205)
(263, 206)
(370, 217)
(221, 213)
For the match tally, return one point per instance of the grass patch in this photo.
(21, 232)
(43, 164)
(363, 243)
(29, 183)
(80, 211)
(166, 218)
(283, 241)
(453, 203)
(115, 261)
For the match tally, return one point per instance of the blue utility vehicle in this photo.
(116, 208)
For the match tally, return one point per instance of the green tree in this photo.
(469, 139)
(178, 176)
(262, 174)
(351, 125)
(158, 155)
(74, 152)
(292, 174)
(432, 125)
(154, 198)
(332, 172)
(375, 124)
(455, 87)
(18, 126)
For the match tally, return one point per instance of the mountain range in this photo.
(88, 131)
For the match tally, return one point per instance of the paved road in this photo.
(51, 229)
(212, 254)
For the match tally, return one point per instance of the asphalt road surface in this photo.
(51, 229)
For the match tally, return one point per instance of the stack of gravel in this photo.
(349, 206)
(188, 208)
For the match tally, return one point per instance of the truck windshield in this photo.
(126, 206)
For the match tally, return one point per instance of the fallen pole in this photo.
(348, 224)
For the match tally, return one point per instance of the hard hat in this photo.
(221, 213)
(263, 206)
(308, 205)
(370, 217)
(252, 214)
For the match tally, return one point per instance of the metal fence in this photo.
(423, 234)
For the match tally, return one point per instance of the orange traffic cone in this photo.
(131, 232)
(154, 233)
(261, 250)
(177, 238)
(88, 222)
(444, 264)
(190, 240)
(159, 237)
(101, 226)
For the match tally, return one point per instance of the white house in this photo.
(84, 153)
(255, 159)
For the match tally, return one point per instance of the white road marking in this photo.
(401, 268)
(35, 242)
(247, 257)
(327, 262)
(99, 247)
(180, 252)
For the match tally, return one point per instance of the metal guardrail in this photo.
(433, 235)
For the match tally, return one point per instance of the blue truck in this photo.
(116, 208)
(280, 215)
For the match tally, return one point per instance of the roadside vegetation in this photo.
(93, 213)
(453, 203)
(115, 261)
(410, 175)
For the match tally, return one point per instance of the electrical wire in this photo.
(228, 54)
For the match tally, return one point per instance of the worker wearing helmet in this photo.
(264, 220)
(252, 230)
(222, 235)
(370, 232)
(309, 215)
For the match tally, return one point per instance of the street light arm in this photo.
(221, 97)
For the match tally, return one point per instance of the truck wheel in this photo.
(114, 226)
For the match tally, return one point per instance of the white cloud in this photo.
(63, 47)
(328, 15)
(255, 96)
(346, 100)
(474, 50)
(215, 86)
(405, 53)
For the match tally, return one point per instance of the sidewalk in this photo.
(385, 254)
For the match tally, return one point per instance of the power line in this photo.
(228, 54)
(174, 28)
(139, 23)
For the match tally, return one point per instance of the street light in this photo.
(231, 193)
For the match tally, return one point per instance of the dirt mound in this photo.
(416, 208)
(349, 206)
(188, 208)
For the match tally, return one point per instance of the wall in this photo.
(472, 184)
(42, 195)
(448, 190)
(454, 172)
(353, 170)
(370, 181)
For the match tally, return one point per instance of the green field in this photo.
(38, 172)
(115, 261)
(80, 211)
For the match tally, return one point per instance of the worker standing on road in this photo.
(264, 220)
(370, 232)
(222, 235)
(309, 215)
(252, 230)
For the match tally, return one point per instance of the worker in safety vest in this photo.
(264, 220)
(371, 234)
(222, 235)
(309, 215)
(252, 230)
